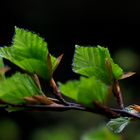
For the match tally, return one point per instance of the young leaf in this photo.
(29, 51)
(3, 69)
(14, 89)
(96, 61)
(1, 63)
(117, 125)
(85, 91)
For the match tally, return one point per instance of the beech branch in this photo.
(44, 103)
(99, 109)
(105, 111)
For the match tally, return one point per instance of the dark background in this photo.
(113, 24)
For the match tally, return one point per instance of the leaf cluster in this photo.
(99, 78)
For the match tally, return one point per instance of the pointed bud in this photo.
(4, 70)
(136, 108)
(31, 100)
(127, 75)
(49, 65)
(36, 79)
(109, 68)
(58, 62)
(43, 99)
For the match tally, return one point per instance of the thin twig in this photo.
(126, 113)
(105, 111)
(115, 112)
(54, 108)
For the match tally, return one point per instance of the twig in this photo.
(101, 110)
(110, 113)
(126, 113)
(54, 108)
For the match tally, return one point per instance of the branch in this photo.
(108, 112)
(125, 113)
(99, 109)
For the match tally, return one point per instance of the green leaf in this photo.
(96, 61)
(25, 40)
(100, 134)
(85, 91)
(14, 89)
(1, 63)
(2, 73)
(117, 125)
(29, 51)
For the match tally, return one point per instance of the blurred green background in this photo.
(114, 24)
